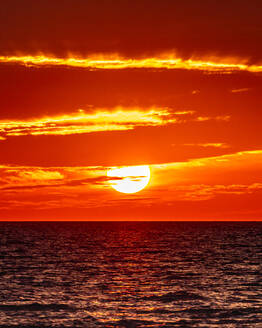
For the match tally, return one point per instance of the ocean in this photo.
(131, 274)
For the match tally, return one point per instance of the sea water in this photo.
(131, 274)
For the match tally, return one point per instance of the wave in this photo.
(176, 296)
(222, 313)
(36, 307)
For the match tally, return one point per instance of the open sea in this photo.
(131, 274)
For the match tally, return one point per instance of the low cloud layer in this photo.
(191, 181)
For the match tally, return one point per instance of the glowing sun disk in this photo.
(129, 179)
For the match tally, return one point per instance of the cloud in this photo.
(101, 180)
(27, 177)
(118, 119)
(208, 178)
(229, 169)
(210, 144)
(130, 27)
(216, 118)
(13, 178)
(184, 112)
(195, 92)
(57, 187)
(162, 61)
(204, 192)
(240, 90)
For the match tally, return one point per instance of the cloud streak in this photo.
(118, 119)
(209, 144)
(100, 120)
(240, 90)
(211, 64)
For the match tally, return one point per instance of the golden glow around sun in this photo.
(129, 179)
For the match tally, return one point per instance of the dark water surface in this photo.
(131, 275)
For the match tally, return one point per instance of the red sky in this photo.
(90, 85)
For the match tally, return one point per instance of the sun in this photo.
(129, 179)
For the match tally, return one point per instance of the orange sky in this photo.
(87, 86)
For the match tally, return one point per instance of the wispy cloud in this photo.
(201, 192)
(209, 144)
(15, 178)
(117, 119)
(184, 112)
(99, 120)
(18, 178)
(216, 118)
(100, 180)
(114, 61)
(195, 92)
(240, 90)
